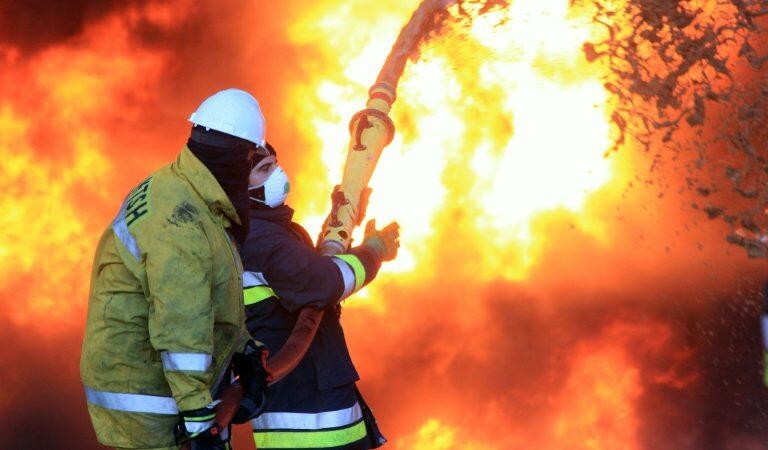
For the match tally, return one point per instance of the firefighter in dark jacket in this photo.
(317, 405)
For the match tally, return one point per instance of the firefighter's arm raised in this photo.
(301, 277)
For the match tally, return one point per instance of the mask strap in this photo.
(261, 196)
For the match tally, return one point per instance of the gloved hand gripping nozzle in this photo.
(371, 130)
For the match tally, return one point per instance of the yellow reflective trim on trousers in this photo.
(309, 439)
(357, 267)
(256, 294)
(765, 367)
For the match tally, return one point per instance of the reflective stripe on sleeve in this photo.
(356, 265)
(137, 403)
(251, 279)
(348, 275)
(310, 439)
(189, 362)
(195, 425)
(120, 228)
(256, 294)
(307, 421)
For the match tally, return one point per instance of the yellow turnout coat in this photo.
(165, 312)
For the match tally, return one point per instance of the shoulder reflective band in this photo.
(120, 228)
(310, 439)
(307, 421)
(256, 294)
(190, 362)
(357, 266)
(137, 403)
(251, 279)
(347, 276)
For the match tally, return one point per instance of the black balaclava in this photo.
(259, 191)
(226, 157)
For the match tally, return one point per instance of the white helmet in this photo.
(234, 112)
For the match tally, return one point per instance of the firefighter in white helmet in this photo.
(165, 312)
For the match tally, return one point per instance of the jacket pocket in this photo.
(331, 357)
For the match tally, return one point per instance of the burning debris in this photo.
(673, 61)
(669, 62)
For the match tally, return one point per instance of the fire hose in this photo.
(277, 367)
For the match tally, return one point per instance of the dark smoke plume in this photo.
(33, 25)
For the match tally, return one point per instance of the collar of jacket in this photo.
(201, 179)
(282, 213)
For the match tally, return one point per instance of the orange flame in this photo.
(505, 120)
(435, 435)
(597, 407)
(502, 130)
(53, 144)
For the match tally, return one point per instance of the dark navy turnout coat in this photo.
(317, 402)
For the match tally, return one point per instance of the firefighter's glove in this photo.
(198, 430)
(384, 242)
(253, 376)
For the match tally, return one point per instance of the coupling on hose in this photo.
(371, 130)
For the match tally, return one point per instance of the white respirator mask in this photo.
(274, 191)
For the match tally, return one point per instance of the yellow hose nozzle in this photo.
(371, 130)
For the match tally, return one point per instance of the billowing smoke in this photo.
(32, 26)
(633, 325)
